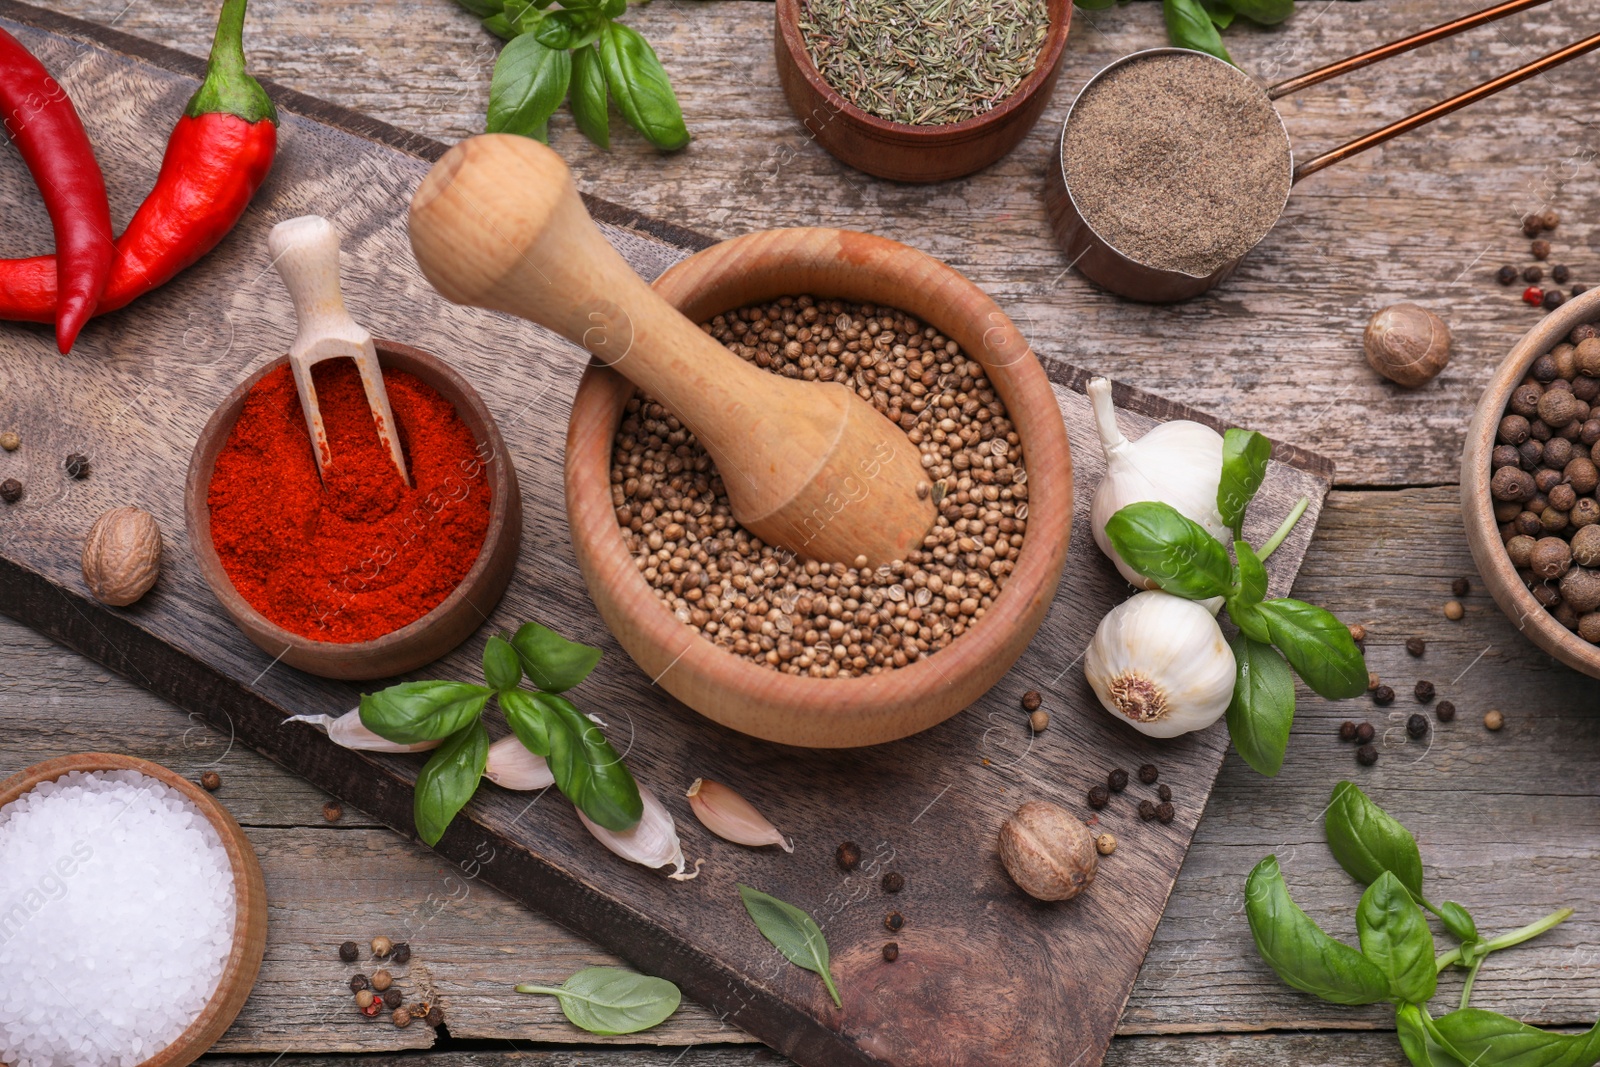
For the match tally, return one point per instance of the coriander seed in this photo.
(381, 980)
(381, 947)
(1493, 719)
(1358, 632)
(1454, 611)
(10, 441)
(1038, 721)
(364, 998)
(1105, 844)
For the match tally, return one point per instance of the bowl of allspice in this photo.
(1530, 486)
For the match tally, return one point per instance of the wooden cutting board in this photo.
(984, 976)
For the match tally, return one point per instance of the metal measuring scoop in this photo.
(305, 252)
(1103, 263)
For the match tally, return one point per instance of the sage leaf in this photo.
(1244, 467)
(588, 96)
(501, 668)
(1262, 710)
(586, 768)
(1171, 550)
(550, 661)
(448, 780)
(1266, 12)
(1319, 647)
(1367, 841)
(610, 1000)
(1395, 936)
(422, 711)
(526, 720)
(1188, 26)
(640, 87)
(1417, 1042)
(1458, 921)
(792, 932)
(1475, 1036)
(1299, 951)
(529, 83)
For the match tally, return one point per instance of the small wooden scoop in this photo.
(306, 253)
(808, 466)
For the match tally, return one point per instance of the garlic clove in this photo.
(512, 766)
(652, 843)
(1161, 664)
(732, 817)
(347, 731)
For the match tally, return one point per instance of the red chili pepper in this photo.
(217, 157)
(46, 128)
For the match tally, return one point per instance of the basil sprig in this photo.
(577, 52)
(1194, 23)
(1184, 559)
(1397, 961)
(587, 770)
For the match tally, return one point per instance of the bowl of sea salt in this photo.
(133, 916)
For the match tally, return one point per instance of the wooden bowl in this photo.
(250, 894)
(1477, 508)
(827, 712)
(418, 642)
(898, 150)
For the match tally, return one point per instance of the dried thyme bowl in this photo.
(935, 114)
(844, 711)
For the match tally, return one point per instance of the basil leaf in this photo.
(1318, 645)
(1188, 26)
(588, 100)
(413, 712)
(1244, 467)
(1395, 936)
(482, 8)
(529, 83)
(1473, 1035)
(553, 663)
(1252, 574)
(640, 87)
(501, 668)
(610, 1000)
(1220, 13)
(1367, 841)
(1417, 1042)
(1262, 709)
(1172, 550)
(792, 932)
(1266, 12)
(569, 29)
(613, 9)
(1458, 921)
(448, 781)
(500, 26)
(1296, 948)
(587, 769)
(526, 720)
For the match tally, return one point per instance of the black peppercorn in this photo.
(349, 952)
(1367, 755)
(891, 952)
(1532, 274)
(1031, 700)
(1164, 792)
(847, 856)
(1365, 733)
(1416, 646)
(1532, 224)
(1540, 249)
(1506, 275)
(1553, 299)
(392, 997)
(1579, 289)
(78, 465)
(1347, 731)
(1417, 726)
(401, 953)
(10, 490)
(1165, 811)
(893, 882)
(1383, 696)
(1099, 797)
(1446, 711)
(1147, 810)
(1561, 273)
(435, 1017)
(1423, 692)
(1117, 780)
(893, 921)
(1148, 773)
(1461, 587)
(358, 982)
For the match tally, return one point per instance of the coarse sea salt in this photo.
(116, 918)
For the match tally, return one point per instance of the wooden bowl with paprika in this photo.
(360, 648)
(840, 712)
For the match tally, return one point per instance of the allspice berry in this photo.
(1585, 547)
(1407, 344)
(122, 556)
(1047, 851)
(1551, 558)
(1557, 407)
(1580, 590)
(401, 1017)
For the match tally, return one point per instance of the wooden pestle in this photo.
(808, 466)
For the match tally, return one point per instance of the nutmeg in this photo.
(1048, 851)
(1407, 344)
(122, 556)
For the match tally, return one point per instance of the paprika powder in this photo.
(356, 553)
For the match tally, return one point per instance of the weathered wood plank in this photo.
(1425, 218)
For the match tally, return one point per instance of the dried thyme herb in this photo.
(924, 63)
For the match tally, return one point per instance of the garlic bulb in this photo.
(512, 766)
(347, 731)
(653, 842)
(1177, 463)
(732, 817)
(1160, 662)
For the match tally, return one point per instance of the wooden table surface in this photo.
(1507, 822)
